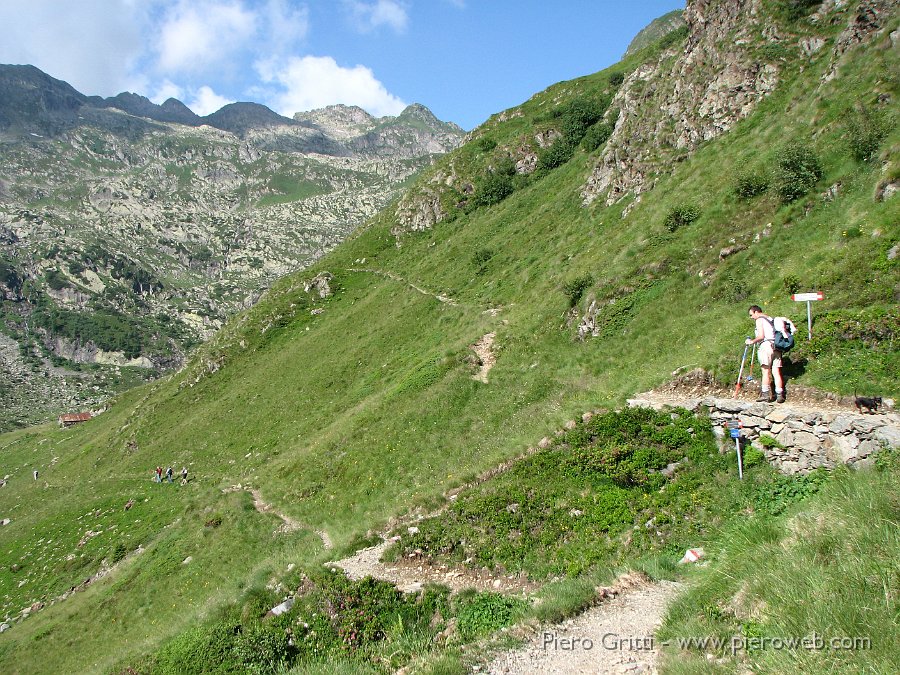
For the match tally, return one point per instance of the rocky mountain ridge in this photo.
(129, 231)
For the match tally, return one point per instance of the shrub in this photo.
(483, 613)
(556, 155)
(578, 116)
(865, 132)
(681, 215)
(596, 136)
(616, 79)
(264, 649)
(799, 169)
(751, 183)
(575, 288)
(493, 189)
(792, 10)
(119, 552)
(792, 283)
(56, 280)
(506, 167)
(481, 258)
(485, 144)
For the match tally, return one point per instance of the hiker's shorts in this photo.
(768, 355)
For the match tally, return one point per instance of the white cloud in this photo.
(284, 27)
(206, 101)
(166, 90)
(94, 45)
(198, 37)
(369, 16)
(311, 82)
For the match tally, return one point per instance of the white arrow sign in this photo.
(808, 298)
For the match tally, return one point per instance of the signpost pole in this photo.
(808, 298)
(734, 427)
(809, 321)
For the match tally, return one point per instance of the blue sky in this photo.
(464, 59)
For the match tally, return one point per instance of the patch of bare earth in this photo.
(698, 383)
(484, 350)
(411, 574)
(616, 636)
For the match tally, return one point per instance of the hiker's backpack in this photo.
(784, 341)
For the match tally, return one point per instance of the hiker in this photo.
(159, 474)
(169, 473)
(35, 474)
(769, 357)
(184, 475)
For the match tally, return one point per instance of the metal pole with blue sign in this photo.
(735, 428)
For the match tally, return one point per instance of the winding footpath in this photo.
(616, 636)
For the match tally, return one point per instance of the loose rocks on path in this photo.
(614, 637)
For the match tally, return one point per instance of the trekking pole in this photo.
(737, 387)
(752, 359)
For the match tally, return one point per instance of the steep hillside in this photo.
(130, 231)
(579, 248)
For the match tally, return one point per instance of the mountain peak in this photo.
(241, 117)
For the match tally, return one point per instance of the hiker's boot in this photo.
(764, 397)
(780, 398)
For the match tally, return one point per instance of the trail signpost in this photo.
(808, 298)
(734, 427)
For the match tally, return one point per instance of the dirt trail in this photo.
(396, 277)
(484, 350)
(411, 574)
(613, 637)
(288, 524)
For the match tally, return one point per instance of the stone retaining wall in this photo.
(806, 438)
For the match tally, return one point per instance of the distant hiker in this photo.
(184, 475)
(159, 474)
(169, 473)
(35, 474)
(769, 357)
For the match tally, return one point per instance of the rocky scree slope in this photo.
(129, 231)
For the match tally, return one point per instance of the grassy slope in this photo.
(346, 418)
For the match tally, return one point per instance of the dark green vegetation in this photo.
(348, 411)
(598, 499)
(366, 625)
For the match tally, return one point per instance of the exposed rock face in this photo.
(704, 90)
(701, 92)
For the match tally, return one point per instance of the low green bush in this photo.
(480, 614)
(792, 10)
(866, 129)
(555, 155)
(576, 287)
(798, 171)
(775, 497)
(681, 215)
(493, 189)
(751, 183)
(596, 136)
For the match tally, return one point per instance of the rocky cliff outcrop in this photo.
(700, 91)
(703, 88)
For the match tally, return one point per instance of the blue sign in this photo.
(735, 433)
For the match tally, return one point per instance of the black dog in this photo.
(870, 403)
